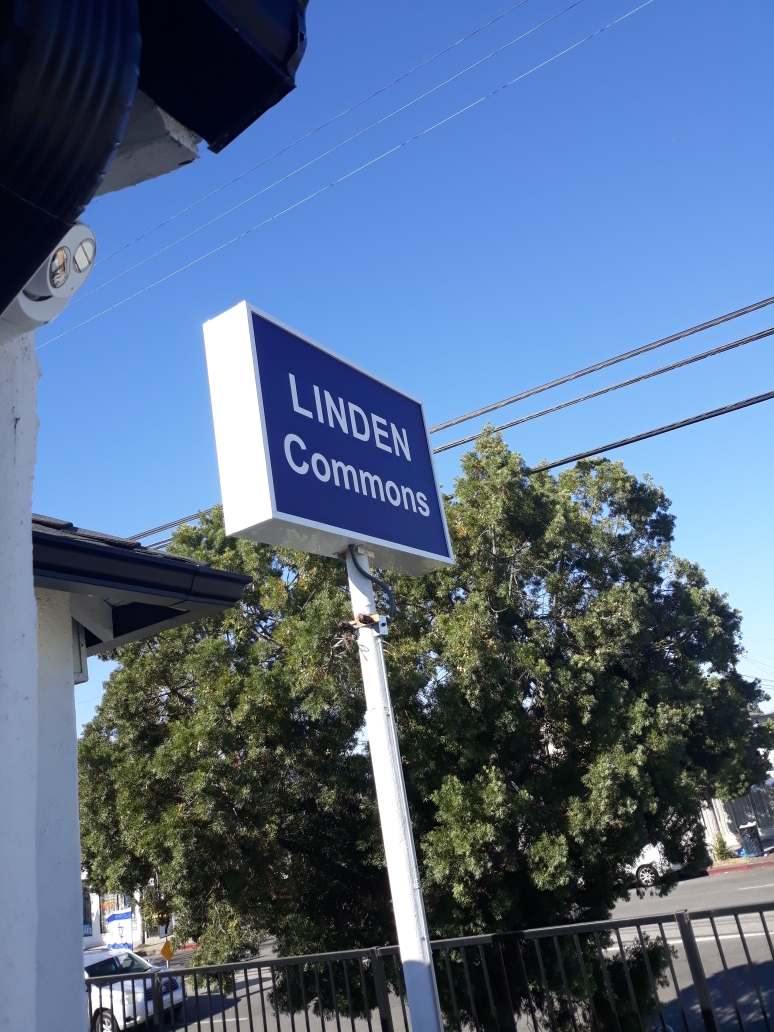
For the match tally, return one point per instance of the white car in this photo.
(651, 865)
(128, 1001)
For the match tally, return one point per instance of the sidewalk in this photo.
(741, 863)
(151, 951)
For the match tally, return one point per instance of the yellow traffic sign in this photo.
(167, 950)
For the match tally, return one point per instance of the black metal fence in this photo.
(707, 971)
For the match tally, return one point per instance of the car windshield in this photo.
(119, 964)
(108, 966)
(128, 963)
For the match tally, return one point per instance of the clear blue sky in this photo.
(618, 194)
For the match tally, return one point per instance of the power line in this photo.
(575, 401)
(604, 365)
(319, 157)
(169, 526)
(766, 667)
(348, 175)
(767, 670)
(323, 125)
(759, 661)
(573, 458)
(614, 387)
(654, 433)
(220, 247)
(725, 410)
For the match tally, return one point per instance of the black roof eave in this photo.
(177, 618)
(64, 559)
(157, 591)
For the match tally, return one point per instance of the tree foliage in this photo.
(565, 694)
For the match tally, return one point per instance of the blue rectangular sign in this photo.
(344, 455)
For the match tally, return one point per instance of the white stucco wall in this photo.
(19, 373)
(61, 1000)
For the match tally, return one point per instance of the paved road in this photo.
(740, 972)
(707, 893)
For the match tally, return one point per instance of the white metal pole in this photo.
(402, 868)
(19, 373)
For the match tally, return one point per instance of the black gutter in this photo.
(59, 560)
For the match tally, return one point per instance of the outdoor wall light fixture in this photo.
(62, 260)
(63, 273)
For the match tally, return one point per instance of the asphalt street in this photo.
(705, 893)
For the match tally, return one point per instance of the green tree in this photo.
(223, 763)
(565, 694)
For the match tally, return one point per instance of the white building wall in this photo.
(60, 996)
(717, 820)
(19, 373)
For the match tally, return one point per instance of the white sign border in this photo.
(281, 528)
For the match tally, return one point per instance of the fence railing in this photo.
(705, 971)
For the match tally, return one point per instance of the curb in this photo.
(751, 865)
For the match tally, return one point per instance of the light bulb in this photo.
(59, 267)
(83, 256)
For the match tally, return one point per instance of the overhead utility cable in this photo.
(169, 526)
(614, 387)
(604, 365)
(654, 433)
(348, 175)
(319, 157)
(323, 125)
(544, 412)
(725, 410)
(766, 667)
